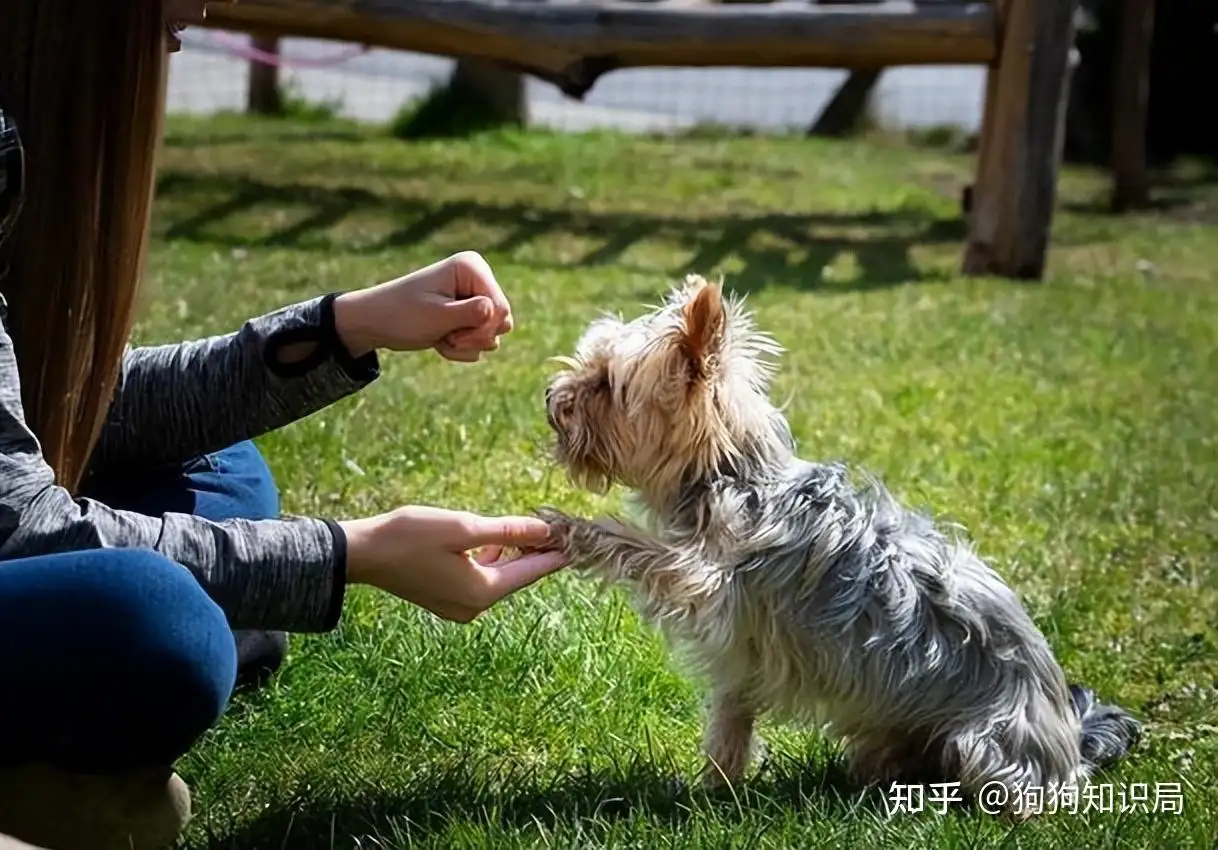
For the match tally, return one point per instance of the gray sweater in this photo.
(173, 403)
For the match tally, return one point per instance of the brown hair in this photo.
(85, 83)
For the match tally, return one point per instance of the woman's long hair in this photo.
(85, 82)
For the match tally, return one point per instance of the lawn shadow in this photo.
(587, 799)
(767, 249)
(1183, 195)
(1182, 206)
(289, 133)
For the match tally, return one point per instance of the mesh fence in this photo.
(212, 71)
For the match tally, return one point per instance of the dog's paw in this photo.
(561, 526)
(553, 515)
(712, 780)
(763, 756)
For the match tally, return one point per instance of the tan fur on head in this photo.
(665, 398)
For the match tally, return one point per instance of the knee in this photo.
(167, 656)
(184, 633)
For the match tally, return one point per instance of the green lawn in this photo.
(1070, 426)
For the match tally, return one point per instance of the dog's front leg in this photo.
(669, 582)
(729, 741)
(611, 549)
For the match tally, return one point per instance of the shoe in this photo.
(259, 655)
(60, 810)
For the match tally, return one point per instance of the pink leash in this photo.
(236, 46)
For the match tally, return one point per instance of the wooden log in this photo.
(571, 43)
(1130, 97)
(1020, 153)
(263, 95)
(842, 114)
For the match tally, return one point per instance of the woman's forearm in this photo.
(175, 402)
(285, 574)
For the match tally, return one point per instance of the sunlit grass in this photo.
(1070, 425)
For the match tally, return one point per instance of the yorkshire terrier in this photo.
(793, 591)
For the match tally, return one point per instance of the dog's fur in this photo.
(793, 591)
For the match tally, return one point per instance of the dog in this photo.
(793, 591)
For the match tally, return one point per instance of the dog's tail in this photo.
(1109, 732)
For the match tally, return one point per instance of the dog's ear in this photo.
(704, 322)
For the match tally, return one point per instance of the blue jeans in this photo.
(114, 659)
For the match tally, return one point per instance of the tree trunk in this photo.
(496, 89)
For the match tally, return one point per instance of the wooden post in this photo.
(841, 115)
(264, 96)
(1130, 94)
(497, 89)
(1022, 138)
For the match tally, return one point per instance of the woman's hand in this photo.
(454, 306)
(423, 555)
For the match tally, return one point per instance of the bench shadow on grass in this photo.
(590, 800)
(287, 135)
(238, 212)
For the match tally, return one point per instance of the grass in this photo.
(1070, 425)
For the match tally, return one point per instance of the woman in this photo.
(138, 523)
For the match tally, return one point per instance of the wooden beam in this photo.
(1020, 153)
(571, 43)
(1130, 96)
